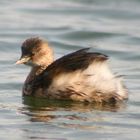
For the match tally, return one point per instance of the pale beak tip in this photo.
(17, 62)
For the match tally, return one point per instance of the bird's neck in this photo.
(35, 71)
(45, 60)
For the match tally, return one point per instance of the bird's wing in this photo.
(78, 60)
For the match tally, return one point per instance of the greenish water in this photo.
(108, 26)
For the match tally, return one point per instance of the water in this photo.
(108, 26)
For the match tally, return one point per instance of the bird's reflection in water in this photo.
(67, 113)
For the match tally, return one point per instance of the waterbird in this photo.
(82, 75)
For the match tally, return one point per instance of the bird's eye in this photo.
(32, 53)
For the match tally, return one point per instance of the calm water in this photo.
(109, 26)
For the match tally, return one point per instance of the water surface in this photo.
(108, 26)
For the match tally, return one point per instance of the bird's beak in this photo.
(23, 60)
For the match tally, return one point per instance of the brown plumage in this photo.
(79, 76)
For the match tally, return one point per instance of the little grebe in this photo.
(78, 76)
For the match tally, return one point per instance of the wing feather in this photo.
(80, 59)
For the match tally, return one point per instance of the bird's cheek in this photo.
(36, 61)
